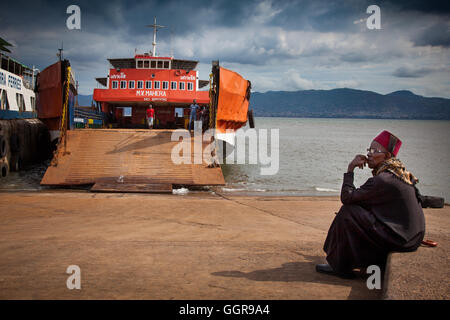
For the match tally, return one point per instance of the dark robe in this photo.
(381, 216)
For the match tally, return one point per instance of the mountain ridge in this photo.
(342, 103)
(349, 103)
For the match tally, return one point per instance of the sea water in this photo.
(315, 153)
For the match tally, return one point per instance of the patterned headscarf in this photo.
(396, 167)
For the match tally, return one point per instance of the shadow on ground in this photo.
(304, 271)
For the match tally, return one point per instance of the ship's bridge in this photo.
(146, 61)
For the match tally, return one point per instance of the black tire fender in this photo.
(14, 143)
(16, 163)
(3, 170)
(2, 146)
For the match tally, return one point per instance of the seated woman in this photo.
(381, 216)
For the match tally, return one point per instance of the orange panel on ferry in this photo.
(233, 101)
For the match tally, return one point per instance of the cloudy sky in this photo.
(278, 45)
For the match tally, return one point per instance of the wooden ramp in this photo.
(127, 159)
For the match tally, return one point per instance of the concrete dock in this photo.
(195, 246)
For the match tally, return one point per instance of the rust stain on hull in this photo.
(126, 156)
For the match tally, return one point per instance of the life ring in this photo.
(2, 146)
(251, 120)
(177, 73)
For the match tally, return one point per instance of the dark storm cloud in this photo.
(355, 57)
(437, 34)
(257, 34)
(409, 72)
(437, 7)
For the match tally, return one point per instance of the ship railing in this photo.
(88, 114)
(85, 118)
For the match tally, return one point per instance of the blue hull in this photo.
(11, 114)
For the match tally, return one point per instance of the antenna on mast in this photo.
(155, 29)
(171, 46)
(60, 52)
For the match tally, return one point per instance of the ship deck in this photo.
(127, 160)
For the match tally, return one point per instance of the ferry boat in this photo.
(124, 154)
(170, 85)
(23, 138)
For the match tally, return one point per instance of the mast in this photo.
(155, 29)
(60, 52)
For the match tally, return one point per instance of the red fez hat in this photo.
(389, 141)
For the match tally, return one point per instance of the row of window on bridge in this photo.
(174, 85)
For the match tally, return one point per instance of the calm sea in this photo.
(314, 154)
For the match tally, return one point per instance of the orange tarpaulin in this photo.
(232, 105)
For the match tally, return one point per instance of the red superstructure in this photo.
(132, 84)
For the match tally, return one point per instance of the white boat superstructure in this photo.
(16, 89)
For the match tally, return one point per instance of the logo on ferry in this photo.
(119, 76)
(150, 93)
(191, 77)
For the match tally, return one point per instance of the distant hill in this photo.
(348, 103)
(341, 103)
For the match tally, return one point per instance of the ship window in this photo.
(131, 84)
(173, 85)
(127, 111)
(190, 86)
(146, 64)
(33, 103)
(166, 64)
(157, 84)
(153, 64)
(160, 64)
(140, 84)
(182, 85)
(115, 84)
(123, 84)
(148, 84)
(179, 112)
(3, 100)
(140, 64)
(165, 85)
(20, 102)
